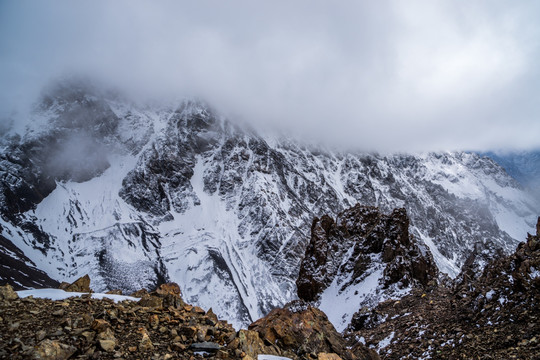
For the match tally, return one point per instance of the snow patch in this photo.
(59, 294)
(341, 304)
(386, 341)
(444, 264)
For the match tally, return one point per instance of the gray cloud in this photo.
(385, 75)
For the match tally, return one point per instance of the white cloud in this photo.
(386, 75)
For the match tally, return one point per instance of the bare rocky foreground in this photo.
(159, 326)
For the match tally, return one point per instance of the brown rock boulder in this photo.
(170, 293)
(63, 285)
(100, 325)
(52, 350)
(151, 301)
(7, 293)
(82, 284)
(114, 292)
(107, 345)
(250, 343)
(164, 296)
(168, 289)
(301, 329)
(145, 344)
(139, 293)
(326, 356)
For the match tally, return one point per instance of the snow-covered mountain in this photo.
(524, 166)
(138, 194)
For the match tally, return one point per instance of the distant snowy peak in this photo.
(524, 166)
(136, 194)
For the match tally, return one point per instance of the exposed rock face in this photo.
(492, 315)
(300, 330)
(82, 129)
(19, 271)
(349, 244)
(362, 257)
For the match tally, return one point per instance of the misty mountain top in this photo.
(68, 102)
(387, 76)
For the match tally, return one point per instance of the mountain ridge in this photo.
(186, 195)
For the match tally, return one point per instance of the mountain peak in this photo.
(135, 195)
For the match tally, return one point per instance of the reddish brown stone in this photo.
(300, 329)
(82, 284)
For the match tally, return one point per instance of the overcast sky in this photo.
(381, 75)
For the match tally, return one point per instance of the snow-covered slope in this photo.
(135, 194)
(524, 166)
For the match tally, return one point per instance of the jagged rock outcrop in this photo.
(493, 315)
(164, 296)
(82, 284)
(361, 258)
(349, 245)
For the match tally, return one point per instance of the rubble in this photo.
(88, 328)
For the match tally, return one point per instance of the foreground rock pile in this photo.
(158, 326)
(495, 315)
(300, 328)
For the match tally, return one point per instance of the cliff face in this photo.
(492, 314)
(19, 270)
(363, 256)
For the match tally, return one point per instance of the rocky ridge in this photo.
(491, 315)
(159, 326)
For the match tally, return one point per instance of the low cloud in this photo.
(386, 75)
